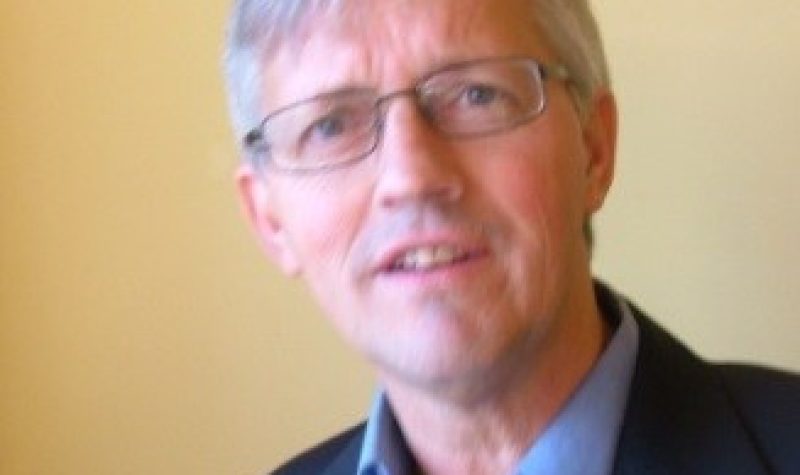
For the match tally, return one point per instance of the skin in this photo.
(476, 357)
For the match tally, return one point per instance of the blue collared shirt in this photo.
(581, 439)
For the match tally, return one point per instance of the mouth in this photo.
(429, 258)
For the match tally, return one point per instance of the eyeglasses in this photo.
(463, 100)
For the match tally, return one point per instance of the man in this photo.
(429, 168)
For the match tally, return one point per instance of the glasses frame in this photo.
(254, 141)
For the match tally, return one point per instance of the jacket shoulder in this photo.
(768, 401)
(686, 415)
(342, 449)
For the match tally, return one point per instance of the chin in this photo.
(437, 366)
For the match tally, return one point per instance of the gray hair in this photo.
(257, 27)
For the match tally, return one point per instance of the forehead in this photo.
(387, 44)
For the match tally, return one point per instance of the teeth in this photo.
(423, 258)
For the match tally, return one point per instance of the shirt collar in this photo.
(384, 451)
(581, 439)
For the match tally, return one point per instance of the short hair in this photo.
(258, 27)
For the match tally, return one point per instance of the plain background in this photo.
(143, 333)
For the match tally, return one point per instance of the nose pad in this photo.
(416, 162)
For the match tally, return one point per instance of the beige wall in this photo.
(141, 330)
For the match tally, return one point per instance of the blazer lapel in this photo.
(346, 462)
(679, 418)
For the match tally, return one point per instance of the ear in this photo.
(260, 209)
(600, 137)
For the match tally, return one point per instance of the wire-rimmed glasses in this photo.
(462, 100)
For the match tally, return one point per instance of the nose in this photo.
(416, 162)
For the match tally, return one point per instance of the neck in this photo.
(488, 428)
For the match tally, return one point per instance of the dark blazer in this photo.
(684, 416)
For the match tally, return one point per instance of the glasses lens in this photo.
(468, 99)
(322, 132)
(483, 97)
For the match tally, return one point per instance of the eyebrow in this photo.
(352, 86)
(323, 95)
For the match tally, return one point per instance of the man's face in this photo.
(440, 259)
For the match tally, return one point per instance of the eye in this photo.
(480, 94)
(331, 130)
(327, 127)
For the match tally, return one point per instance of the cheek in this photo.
(538, 193)
(536, 190)
(322, 218)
